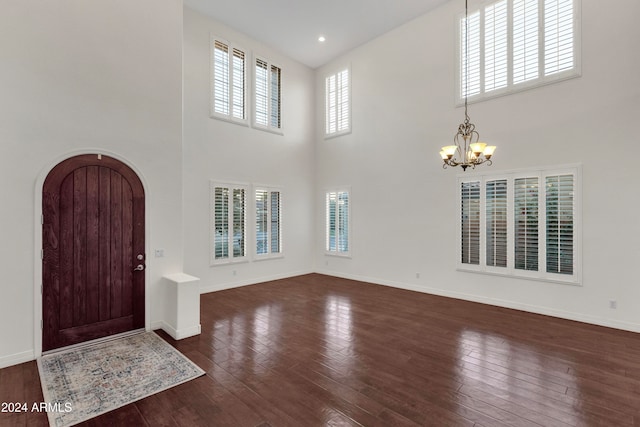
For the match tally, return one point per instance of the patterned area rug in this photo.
(85, 382)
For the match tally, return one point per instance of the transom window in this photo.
(267, 100)
(517, 44)
(523, 224)
(338, 103)
(229, 88)
(228, 81)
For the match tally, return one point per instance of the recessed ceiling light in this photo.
(321, 39)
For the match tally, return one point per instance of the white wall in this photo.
(77, 76)
(222, 151)
(106, 76)
(404, 203)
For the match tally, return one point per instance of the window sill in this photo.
(569, 281)
(218, 263)
(224, 118)
(336, 134)
(520, 87)
(268, 129)
(267, 257)
(338, 254)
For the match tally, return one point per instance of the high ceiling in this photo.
(293, 26)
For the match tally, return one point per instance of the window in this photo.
(337, 225)
(337, 104)
(523, 224)
(229, 219)
(268, 222)
(228, 82)
(517, 44)
(267, 95)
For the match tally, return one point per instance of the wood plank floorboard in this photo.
(316, 350)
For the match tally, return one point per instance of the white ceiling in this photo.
(293, 26)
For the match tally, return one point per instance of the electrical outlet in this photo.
(613, 304)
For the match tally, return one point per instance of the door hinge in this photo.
(42, 219)
(41, 324)
(41, 253)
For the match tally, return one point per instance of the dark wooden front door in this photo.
(93, 241)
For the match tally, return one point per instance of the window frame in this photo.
(510, 271)
(510, 88)
(212, 76)
(269, 254)
(327, 250)
(327, 106)
(231, 258)
(268, 127)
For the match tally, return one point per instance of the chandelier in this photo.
(468, 150)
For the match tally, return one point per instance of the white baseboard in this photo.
(156, 325)
(205, 289)
(178, 334)
(546, 311)
(16, 359)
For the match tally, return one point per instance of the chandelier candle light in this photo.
(468, 150)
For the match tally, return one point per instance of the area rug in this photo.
(84, 382)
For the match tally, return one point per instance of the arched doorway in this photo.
(93, 256)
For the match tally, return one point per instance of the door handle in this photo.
(139, 267)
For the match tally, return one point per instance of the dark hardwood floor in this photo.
(316, 350)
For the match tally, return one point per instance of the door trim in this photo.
(37, 276)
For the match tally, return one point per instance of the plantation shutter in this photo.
(496, 223)
(221, 223)
(496, 46)
(275, 222)
(515, 41)
(560, 223)
(221, 78)
(470, 60)
(239, 232)
(267, 222)
(525, 40)
(343, 221)
(238, 84)
(331, 222)
(526, 223)
(275, 96)
(343, 101)
(262, 93)
(229, 91)
(558, 36)
(470, 222)
(330, 90)
(261, 222)
(337, 210)
(337, 103)
(267, 94)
